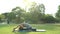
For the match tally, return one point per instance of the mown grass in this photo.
(50, 29)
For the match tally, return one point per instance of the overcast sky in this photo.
(50, 5)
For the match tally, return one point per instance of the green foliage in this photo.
(48, 19)
(35, 14)
(11, 16)
(2, 17)
(19, 13)
(5, 14)
(36, 11)
(58, 13)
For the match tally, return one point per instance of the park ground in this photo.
(50, 29)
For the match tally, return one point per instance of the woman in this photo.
(19, 27)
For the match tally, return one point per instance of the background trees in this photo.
(35, 14)
(48, 19)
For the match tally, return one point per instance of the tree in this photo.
(7, 17)
(11, 16)
(19, 13)
(37, 11)
(5, 14)
(2, 17)
(58, 13)
(48, 19)
(42, 8)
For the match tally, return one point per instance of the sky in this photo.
(51, 6)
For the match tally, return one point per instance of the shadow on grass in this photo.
(21, 32)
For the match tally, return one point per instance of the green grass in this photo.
(50, 29)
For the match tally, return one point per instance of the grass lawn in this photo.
(50, 29)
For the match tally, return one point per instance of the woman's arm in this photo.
(15, 28)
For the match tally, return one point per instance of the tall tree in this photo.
(58, 13)
(19, 13)
(37, 11)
